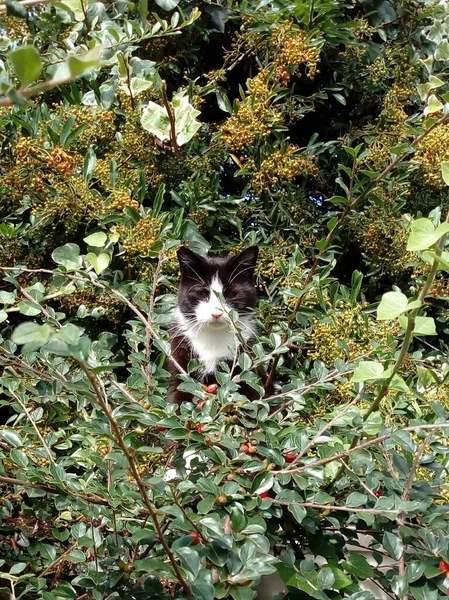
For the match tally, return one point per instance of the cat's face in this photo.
(205, 279)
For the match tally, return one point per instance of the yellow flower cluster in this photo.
(348, 324)
(200, 217)
(295, 51)
(99, 124)
(119, 199)
(430, 153)
(280, 167)
(140, 239)
(255, 115)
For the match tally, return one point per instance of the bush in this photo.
(317, 131)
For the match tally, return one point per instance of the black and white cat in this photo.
(202, 328)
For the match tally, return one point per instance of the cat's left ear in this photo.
(246, 261)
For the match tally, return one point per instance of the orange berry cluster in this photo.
(61, 160)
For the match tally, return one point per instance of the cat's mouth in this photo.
(217, 324)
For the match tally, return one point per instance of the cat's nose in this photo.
(216, 313)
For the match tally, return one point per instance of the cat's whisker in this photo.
(231, 279)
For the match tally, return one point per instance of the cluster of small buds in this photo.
(281, 167)
(119, 200)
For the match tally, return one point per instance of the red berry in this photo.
(200, 428)
(212, 388)
(160, 428)
(264, 495)
(290, 457)
(244, 448)
(200, 404)
(444, 566)
(195, 537)
(378, 494)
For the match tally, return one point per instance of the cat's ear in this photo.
(245, 262)
(189, 262)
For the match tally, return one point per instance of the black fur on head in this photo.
(235, 274)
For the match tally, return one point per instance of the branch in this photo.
(3, 7)
(171, 117)
(91, 498)
(142, 488)
(367, 444)
(374, 511)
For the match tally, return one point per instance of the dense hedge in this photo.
(314, 129)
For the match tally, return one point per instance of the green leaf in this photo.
(7, 297)
(356, 499)
(445, 172)
(203, 590)
(68, 256)
(76, 556)
(155, 120)
(11, 437)
(143, 9)
(424, 326)
(19, 457)
(16, 9)
(442, 52)
(391, 306)
(89, 163)
(81, 63)
(393, 545)
(18, 568)
(299, 512)
(31, 309)
(99, 262)
(27, 64)
(423, 234)
(433, 105)
(356, 564)
(326, 578)
(167, 4)
(31, 332)
(262, 482)
(97, 240)
(367, 370)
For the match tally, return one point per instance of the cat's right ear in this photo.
(189, 262)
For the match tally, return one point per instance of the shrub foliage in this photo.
(316, 130)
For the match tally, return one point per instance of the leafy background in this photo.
(316, 130)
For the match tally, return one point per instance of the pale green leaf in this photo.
(99, 262)
(31, 332)
(27, 64)
(68, 256)
(368, 370)
(422, 235)
(155, 120)
(97, 240)
(391, 306)
(433, 105)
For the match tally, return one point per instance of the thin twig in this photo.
(367, 444)
(136, 475)
(33, 424)
(171, 117)
(330, 507)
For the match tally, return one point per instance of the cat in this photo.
(202, 328)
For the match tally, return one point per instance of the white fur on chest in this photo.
(213, 345)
